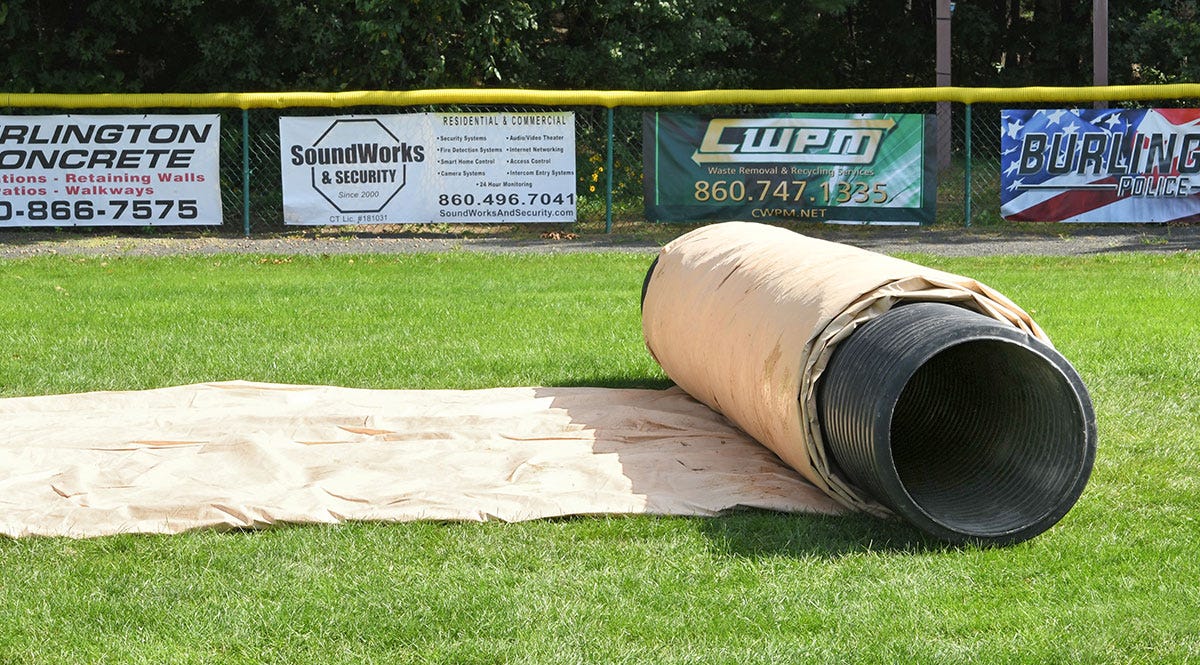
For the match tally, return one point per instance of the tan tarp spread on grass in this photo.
(741, 316)
(249, 455)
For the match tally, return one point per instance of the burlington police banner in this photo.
(428, 167)
(109, 170)
(863, 167)
(1100, 165)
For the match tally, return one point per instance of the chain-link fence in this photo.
(593, 184)
(603, 196)
(609, 162)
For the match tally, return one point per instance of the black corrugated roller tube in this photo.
(965, 426)
(894, 387)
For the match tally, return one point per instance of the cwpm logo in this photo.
(792, 140)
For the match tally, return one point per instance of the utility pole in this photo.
(1100, 46)
(942, 70)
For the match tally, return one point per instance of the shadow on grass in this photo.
(617, 381)
(682, 457)
(761, 533)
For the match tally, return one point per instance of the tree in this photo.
(644, 44)
(88, 46)
(211, 45)
(1158, 44)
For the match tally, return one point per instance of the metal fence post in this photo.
(246, 171)
(967, 184)
(608, 177)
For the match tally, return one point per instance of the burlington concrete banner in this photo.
(109, 170)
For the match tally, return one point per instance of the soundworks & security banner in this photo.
(109, 170)
(865, 167)
(428, 167)
(1100, 165)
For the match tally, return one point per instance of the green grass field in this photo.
(1118, 580)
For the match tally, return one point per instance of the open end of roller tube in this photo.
(961, 424)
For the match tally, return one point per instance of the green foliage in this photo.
(200, 46)
(1161, 45)
(836, 43)
(647, 44)
(220, 45)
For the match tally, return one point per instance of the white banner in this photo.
(428, 167)
(109, 170)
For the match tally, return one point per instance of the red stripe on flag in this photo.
(1179, 116)
(1066, 205)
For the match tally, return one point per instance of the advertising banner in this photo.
(1100, 165)
(428, 167)
(850, 168)
(109, 170)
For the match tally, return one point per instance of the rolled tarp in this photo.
(826, 354)
(957, 413)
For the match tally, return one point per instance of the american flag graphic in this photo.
(1100, 165)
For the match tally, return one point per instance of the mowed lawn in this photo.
(1118, 580)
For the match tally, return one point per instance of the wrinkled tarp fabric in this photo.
(238, 455)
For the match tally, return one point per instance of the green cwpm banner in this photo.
(845, 168)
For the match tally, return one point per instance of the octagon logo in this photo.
(358, 165)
